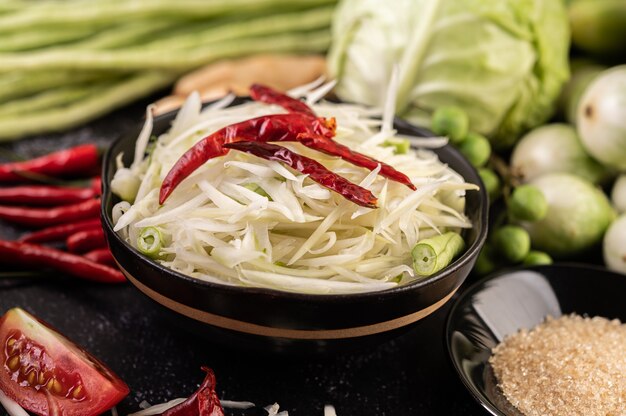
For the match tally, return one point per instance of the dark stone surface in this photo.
(410, 375)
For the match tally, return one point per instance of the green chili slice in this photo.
(433, 254)
(150, 242)
(400, 146)
(256, 188)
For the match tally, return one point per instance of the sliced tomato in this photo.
(48, 374)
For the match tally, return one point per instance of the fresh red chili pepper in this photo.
(101, 256)
(60, 232)
(271, 128)
(268, 95)
(307, 166)
(77, 160)
(33, 255)
(83, 241)
(196, 405)
(96, 185)
(44, 195)
(42, 217)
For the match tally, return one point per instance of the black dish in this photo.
(272, 320)
(503, 303)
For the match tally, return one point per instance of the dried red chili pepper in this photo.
(209, 403)
(268, 95)
(313, 133)
(60, 232)
(271, 128)
(42, 217)
(79, 160)
(44, 195)
(83, 241)
(101, 256)
(307, 166)
(33, 255)
(301, 125)
(194, 405)
(333, 148)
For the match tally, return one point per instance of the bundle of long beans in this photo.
(63, 63)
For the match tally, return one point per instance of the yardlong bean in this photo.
(63, 63)
(58, 119)
(101, 12)
(215, 43)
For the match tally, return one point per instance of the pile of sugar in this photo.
(565, 367)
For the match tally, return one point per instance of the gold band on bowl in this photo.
(268, 331)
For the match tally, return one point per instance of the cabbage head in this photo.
(503, 61)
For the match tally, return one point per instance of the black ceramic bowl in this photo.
(503, 303)
(273, 320)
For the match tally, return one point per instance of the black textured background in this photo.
(410, 375)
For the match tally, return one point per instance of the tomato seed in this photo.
(77, 393)
(53, 386)
(32, 377)
(12, 346)
(57, 387)
(13, 363)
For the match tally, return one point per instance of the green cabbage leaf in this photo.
(503, 61)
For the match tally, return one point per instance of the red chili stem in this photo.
(60, 232)
(87, 240)
(43, 195)
(268, 95)
(273, 128)
(32, 255)
(74, 161)
(191, 406)
(101, 256)
(331, 147)
(42, 217)
(307, 166)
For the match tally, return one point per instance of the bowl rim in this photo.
(478, 395)
(470, 253)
